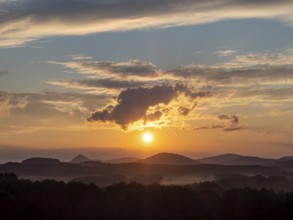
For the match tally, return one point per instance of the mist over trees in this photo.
(49, 199)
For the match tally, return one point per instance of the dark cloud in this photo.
(98, 83)
(136, 68)
(153, 116)
(184, 110)
(233, 124)
(132, 104)
(209, 127)
(232, 118)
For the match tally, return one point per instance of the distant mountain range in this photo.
(175, 159)
(160, 167)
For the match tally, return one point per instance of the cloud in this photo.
(28, 20)
(134, 69)
(283, 93)
(209, 127)
(251, 68)
(225, 53)
(31, 112)
(132, 104)
(231, 125)
(57, 105)
(284, 58)
(233, 122)
(153, 116)
(42, 104)
(97, 83)
(9, 102)
(184, 110)
(232, 118)
(81, 57)
(247, 69)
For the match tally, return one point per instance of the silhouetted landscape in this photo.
(229, 198)
(163, 186)
(146, 109)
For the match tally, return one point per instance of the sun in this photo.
(147, 137)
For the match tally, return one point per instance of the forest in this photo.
(50, 199)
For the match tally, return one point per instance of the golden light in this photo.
(147, 137)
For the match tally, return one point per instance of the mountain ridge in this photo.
(169, 158)
(236, 159)
(79, 159)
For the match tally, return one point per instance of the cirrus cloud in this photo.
(134, 69)
(97, 83)
(27, 20)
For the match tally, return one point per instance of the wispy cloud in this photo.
(284, 58)
(28, 20)
(232, 124)
(97, 83)
(31, 112)
(251, 68)
(132, 69)
(81, 57)
(225, 53)
(8, 102)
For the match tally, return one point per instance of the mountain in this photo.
(123, 160)
(285, 162)
(79, 159)
(235, 159)
(285, 158)
(40, 160)
(169, 158)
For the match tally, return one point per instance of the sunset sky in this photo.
(203, 77)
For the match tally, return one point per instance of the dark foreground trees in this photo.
(23, 199)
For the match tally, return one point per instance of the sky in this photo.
(204, 77)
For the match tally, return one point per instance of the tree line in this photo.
(49, 199)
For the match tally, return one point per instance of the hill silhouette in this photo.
(40, 160)
(123, 160)
(285, 158)
(235, 159)
(79, 159)
(169, 158)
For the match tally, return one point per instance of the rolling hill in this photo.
(235, 159)
(170, 159)
(40, 160)
(79, 159)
